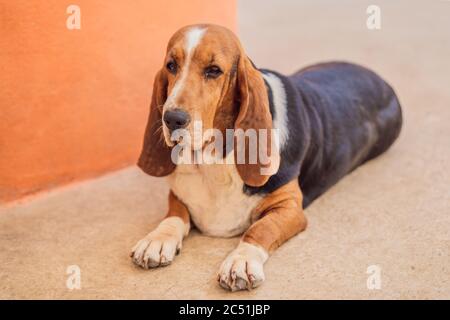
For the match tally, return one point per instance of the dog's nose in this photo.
(176, 119)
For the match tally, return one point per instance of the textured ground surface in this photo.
(393, 212)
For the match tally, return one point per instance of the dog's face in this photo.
(200, 66)
(206, 77)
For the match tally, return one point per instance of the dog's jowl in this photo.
(329, 118)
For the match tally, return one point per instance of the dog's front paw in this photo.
(159, 247)
(243, 268)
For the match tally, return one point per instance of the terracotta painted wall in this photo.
(73, 103)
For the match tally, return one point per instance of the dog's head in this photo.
(206, 77)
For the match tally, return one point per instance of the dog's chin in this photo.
(192, 145)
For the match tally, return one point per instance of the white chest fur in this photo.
(214, 196)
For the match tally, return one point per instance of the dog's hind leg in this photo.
(389, 123)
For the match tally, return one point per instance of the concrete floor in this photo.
(394, 212)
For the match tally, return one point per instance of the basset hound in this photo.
(330, 118)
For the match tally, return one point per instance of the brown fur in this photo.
(177, 208)
(281, 215)
(254, 114)
(155, 156)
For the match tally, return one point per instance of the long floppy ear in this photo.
(254, 113)
(155, 157)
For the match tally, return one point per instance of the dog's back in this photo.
(354, 116)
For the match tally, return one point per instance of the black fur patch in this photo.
(339, 116)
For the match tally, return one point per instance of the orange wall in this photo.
(73, 104)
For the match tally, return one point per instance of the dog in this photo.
(330, 118)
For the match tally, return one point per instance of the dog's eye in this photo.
(212, 72)
(172, 67)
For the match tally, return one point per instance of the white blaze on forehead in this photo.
(191, 41)
(193, 38)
